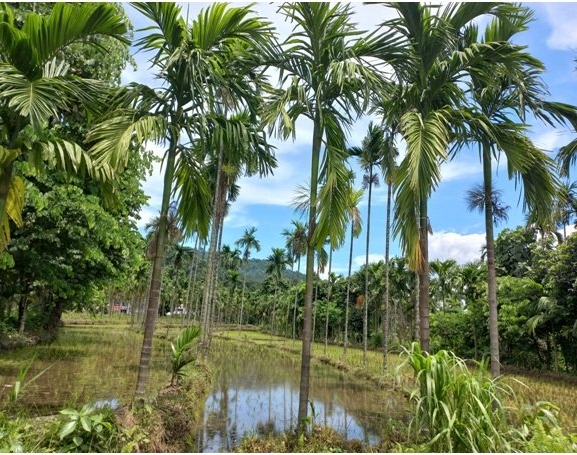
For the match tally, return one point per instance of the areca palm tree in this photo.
(369, 154)
(325, 80)
(36, 89)
(353, 202)
(278, 261)
(202, 67)
(249, 242)
(502, 93)
(428, 97)
(389, 168)
(232, 159)
(445, 275)
(296, 244)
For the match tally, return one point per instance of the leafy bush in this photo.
(89, 429)
(182, 354)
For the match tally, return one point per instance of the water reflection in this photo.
(256, 391)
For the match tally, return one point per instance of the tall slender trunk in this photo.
(197, 298)
(315, 306)
(346, 340)
(386, 319)
(188, 302)
(491, 273)
(307, 323)
(22, 313)
(296, 299)
(328, 301)
(156, 279)
(211, 269)
(242, 302)
(366, 309)
(424, 277)
(273, 311)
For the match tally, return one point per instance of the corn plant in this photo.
(458, 410)
(182, 353)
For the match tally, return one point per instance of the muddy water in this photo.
(256, 391)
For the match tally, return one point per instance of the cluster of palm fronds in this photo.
(182, 352)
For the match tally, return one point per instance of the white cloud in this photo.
(359, 261)
(459, 169)
(561, 18)
(462, 248)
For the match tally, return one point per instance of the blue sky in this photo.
(457, 233)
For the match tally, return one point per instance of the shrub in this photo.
(89, 429)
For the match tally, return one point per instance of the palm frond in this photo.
(37, 100)
(14, 207)
(111, 139)
(333, 198)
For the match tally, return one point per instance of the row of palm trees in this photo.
(429, 75)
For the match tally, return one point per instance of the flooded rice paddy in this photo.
(256, 391)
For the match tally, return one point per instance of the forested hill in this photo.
(255, 270)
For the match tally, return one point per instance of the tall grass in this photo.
(456, 410)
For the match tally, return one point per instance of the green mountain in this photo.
(255, 271)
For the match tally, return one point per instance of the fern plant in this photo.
(182, 353)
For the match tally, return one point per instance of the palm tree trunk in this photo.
(211, 269)
(328, 301)
(491, 273)
(242, 303)
(197, 298)
(156, 279)
(424, 277)
(307, 323)
(296, 300)
(22, 312)
(273, 312)
(387, 290)
(346, 340)
(366, 309)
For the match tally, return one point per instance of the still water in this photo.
(256, 391)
